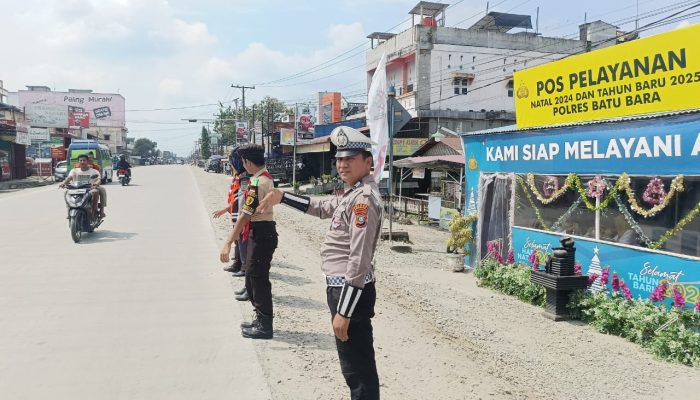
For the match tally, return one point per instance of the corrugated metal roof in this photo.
(514, 128)
(412, 162)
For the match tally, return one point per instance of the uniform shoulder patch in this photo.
(360, 212)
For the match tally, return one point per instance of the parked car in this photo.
(214, 164)
(61, 170)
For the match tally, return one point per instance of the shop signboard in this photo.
(79, 119)
(418, 173)
(641, 269)
(242, 130)
(39, 134)
(653, 74)
(286, 137)
(23, 138)
(104, 109)
(406, 147)
(47, 115)
(665, 146)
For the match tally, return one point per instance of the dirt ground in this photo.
(437, 334)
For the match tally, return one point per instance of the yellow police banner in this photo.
(654, 74)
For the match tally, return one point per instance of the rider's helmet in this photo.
(122, 157)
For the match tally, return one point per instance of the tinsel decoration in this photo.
(555, 194)
(655, 193)
(564, 217)
(632, 223)
(676, 187)
(679, 227)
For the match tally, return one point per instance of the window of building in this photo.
(107, 137)
(461, 85)
(510, 88)
(619, 223)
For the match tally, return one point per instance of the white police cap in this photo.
(349, 141)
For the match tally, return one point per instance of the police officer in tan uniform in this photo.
(347, 254)
(258, 229)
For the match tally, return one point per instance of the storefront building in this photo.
(623, 182)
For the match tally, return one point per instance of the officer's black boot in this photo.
(261, 330)
(243, 296)
(252, 323)
(239, 291)
(235, 267)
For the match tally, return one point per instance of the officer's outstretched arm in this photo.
(318, 208)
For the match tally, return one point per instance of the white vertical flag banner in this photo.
(377, 118)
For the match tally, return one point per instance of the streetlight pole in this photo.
(294, 159)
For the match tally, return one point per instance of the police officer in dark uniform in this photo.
(347, 254)
(259, 232)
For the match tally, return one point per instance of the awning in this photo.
(318, 145)
(454, 161)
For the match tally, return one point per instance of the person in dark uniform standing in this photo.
(347, 254)
(258, 229)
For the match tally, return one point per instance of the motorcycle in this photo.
(81, 218)
(123, 177)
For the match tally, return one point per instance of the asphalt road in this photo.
(139, 310)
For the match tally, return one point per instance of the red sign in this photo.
(58, 153)
(79, 119)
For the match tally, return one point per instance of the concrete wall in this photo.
(488, 65)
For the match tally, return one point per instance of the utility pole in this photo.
(243, 88)
(254, 124)
(294, 159)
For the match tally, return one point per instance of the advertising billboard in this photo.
(105, 110)
(47, 115)
(649, 75)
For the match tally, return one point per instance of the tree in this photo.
(205, 144)
(265, 110)
(144, 147)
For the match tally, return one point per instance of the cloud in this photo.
(170, 87)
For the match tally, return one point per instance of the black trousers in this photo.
(261, 245)
(357, 354)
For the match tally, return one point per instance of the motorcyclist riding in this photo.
(123, 164)
(84, 174)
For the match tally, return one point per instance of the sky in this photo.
(186, 54)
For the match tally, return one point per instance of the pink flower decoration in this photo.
(511, 257)
(577, 269)
(626, 290)
(551, 184)
(659, 293)
(532, 258)
(605, 277)
(697, 305)
(615, 282)
(591, 278)
(655, 193)
(596, 187)
(678, 299)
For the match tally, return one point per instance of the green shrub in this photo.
(638, 321)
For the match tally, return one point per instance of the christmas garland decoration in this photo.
(679, 227)
(584, 195)
(567, 214)
(632, 223)
(676, 187)
(623, 184)
(554, 195)
(523, 186)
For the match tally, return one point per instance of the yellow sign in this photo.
(406, 147)
(655, 74)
